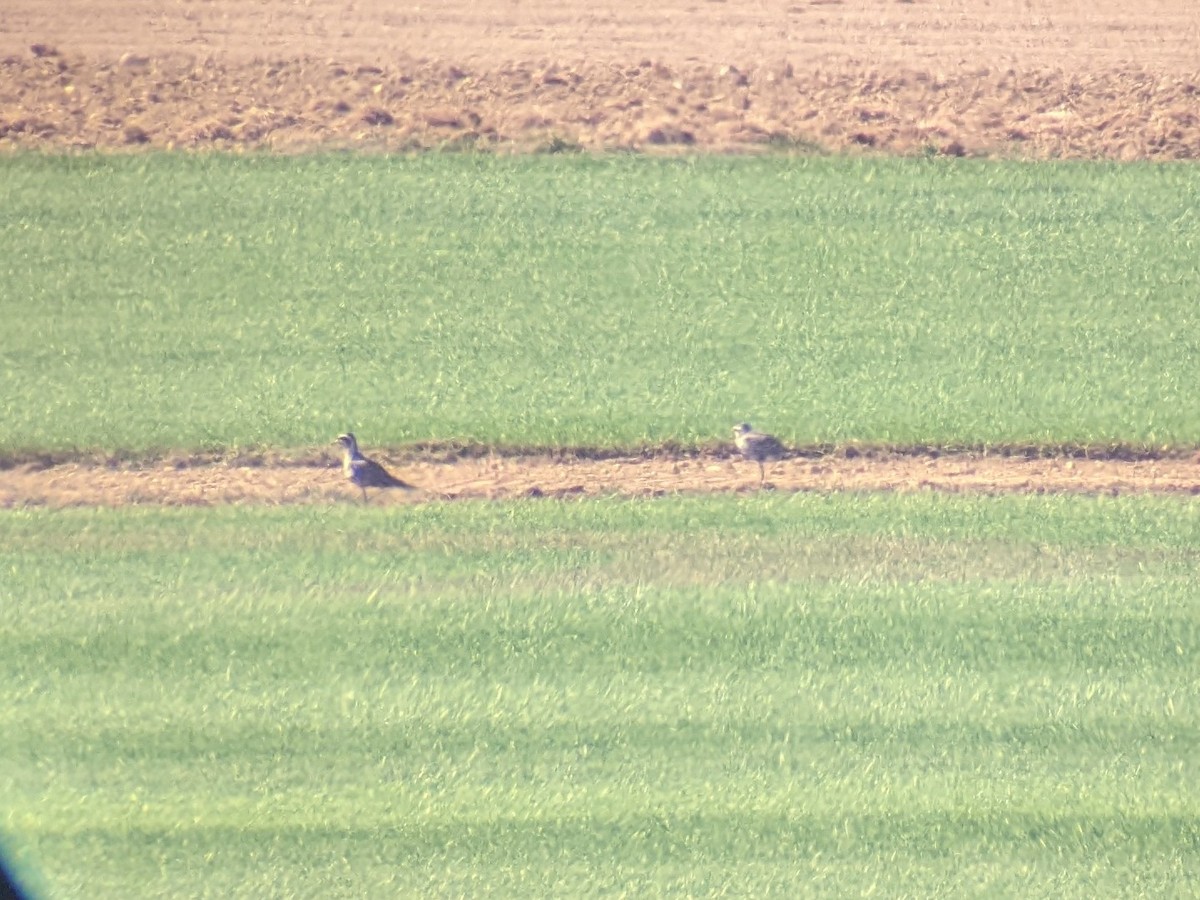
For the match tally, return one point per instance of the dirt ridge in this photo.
(459, 451)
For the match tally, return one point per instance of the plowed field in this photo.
(1024, 78)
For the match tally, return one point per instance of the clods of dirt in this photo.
(956, 78)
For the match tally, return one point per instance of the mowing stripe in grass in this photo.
(818, 694)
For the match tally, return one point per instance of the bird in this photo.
(756, 446)
(366, 472)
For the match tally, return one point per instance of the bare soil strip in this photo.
(319, 481)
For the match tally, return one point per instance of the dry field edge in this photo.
(447, 473)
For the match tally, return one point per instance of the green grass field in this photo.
(800, 695)
(174, 301)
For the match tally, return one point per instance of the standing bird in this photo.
(366, 472)
(756, 446)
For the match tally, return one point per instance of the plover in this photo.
(366, 472)
(756, 446)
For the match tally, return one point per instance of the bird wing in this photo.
(375, 475)
(764, 444)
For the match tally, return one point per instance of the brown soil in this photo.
(316, 479)
(1026, 78)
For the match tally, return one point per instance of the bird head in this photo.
(347, 441)
(744, 428)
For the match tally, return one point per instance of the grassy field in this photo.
(800, 695)
(173, 301)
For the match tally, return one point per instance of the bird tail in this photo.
(395, 482)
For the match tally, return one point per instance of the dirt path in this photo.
(318, 480)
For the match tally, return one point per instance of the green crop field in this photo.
(174, 301)
(777, 695)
